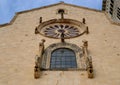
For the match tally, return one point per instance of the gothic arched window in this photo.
(63, 58)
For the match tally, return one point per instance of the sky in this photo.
(8, 8)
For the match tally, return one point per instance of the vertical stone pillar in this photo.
(88, 59)
(41, 47)
(87, 30)
(38, 60)
(85, 50)
(40, 20)
(36, 69)
(90, 68)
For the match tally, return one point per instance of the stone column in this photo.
(88, 59)
(38, 60)
(90, 68)
(87, 30)
(36, 68)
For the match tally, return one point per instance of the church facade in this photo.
(60, 44)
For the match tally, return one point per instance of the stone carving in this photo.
(88, 59)
(36, 68)
(84, 21)
(40, 20)
(61, 11)
(87, 30)
(78, 51)
(52, 28)
(84, 61)
(85, 43)
(38, 58)
(36, 31)
(90, 68)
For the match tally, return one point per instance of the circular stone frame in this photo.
(75, 28)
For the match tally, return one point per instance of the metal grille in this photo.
(118, 13)
(63, 58)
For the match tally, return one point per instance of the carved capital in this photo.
(42, 42)
(85, 43)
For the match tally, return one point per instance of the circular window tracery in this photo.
(54, 28)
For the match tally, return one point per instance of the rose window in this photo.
(54, 28)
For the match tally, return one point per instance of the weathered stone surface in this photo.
(17, 51)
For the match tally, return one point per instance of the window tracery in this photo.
(63, 58)
(63, 55)
(71, 50)
(53, 28)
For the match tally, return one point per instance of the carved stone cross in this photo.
(61, 11)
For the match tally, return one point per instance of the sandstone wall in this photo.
(19, 45)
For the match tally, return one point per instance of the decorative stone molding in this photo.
(38, 58)
(88, 59)
(81, 64)
(84, 61)
(36, 68)
(52, 28)
(90, 68)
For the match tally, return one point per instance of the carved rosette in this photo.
(53, 28)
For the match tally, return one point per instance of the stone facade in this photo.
(19, 45)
